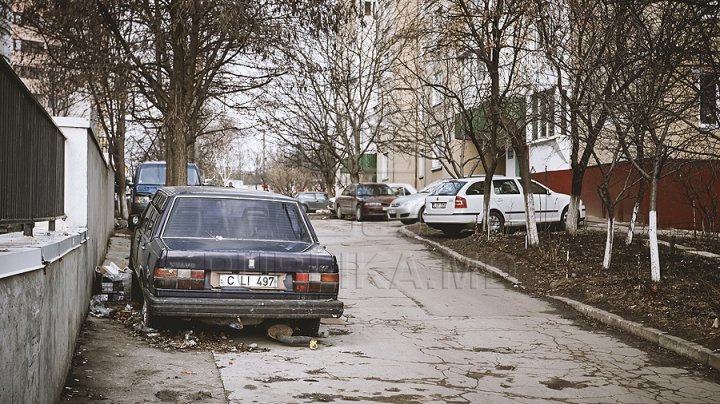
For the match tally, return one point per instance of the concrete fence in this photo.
(46, 280)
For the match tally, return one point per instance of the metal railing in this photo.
(32, 157)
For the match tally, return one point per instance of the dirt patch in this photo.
(684, 303)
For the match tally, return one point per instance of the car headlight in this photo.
(141, 199)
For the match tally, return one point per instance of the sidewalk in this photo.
(687, 349)
(111, 365)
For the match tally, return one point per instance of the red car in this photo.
(364, 200)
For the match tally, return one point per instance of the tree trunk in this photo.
(571, 224)
(610, 237)
(652, 231)
(487, 187)
(119, 157)
(636, 210)
(530, 222)
(176, 153)
(573, 215)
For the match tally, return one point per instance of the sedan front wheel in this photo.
(358, 214)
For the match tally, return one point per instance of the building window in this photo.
(435, 95)
(709, 99)
(368, 7)
(543, 110)
(28, 72)
(33, 46)
(436, 164)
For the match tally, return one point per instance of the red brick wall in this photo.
(688, 194)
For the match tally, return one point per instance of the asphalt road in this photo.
(417, 328)
(422, 329)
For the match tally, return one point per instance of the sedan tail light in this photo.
(460, 202)
(169, 278)
(304, 282)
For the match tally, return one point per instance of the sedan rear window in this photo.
(449, 188)
(234, 218)
(154, 174)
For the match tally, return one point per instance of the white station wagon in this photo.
(458, 204)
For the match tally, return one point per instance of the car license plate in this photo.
(249, 281)
(438, 205)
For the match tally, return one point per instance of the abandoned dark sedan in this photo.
(232, 257)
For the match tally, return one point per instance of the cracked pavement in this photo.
(418, 327)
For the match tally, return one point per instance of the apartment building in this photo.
(427, 144)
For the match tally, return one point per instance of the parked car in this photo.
(458, 205)
(409, 209)
(150, 176)
(312, 201)
(226, 256)
(364, 200)
(402, 189)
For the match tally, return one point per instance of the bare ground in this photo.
(685, 303)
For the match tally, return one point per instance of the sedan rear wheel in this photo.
(420, 214)
(496, 223)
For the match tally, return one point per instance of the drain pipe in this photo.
(283, 333)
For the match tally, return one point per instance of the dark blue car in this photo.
(150, 176)
(232, 257)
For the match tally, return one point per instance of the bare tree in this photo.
(332, 102)
(585, 42)
(662, 98)
(486, 42)
(183, 54)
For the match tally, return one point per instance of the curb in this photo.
(464, 259)
(687, 349)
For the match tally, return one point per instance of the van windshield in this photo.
(154, 174)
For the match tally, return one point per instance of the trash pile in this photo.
(112, 283)
(174, 336)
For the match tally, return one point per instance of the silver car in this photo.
(408, 209)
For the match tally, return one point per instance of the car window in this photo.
(193, 176)
(234, 218)
(349, 190)
(476, 188)
(538, 189)
(430, 188)
(151, 174)
(374, 190)
(505, 187)
(449, 188)
(154, 174)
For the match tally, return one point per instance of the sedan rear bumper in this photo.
(467, 219)
(248, 308)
